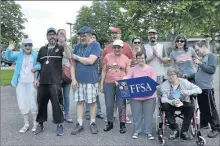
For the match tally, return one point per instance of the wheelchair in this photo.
(161, 121)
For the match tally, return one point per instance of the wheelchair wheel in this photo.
(161, 140)
(201, 141)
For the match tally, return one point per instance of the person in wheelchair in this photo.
(176, 96)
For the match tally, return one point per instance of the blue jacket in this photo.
(18, 58)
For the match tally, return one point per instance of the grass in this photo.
(6, 76)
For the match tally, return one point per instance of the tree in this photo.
(12, 20)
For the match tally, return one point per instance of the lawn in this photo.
(6, 76)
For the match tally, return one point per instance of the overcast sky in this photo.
(44, 14)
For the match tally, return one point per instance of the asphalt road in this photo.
(11, 122)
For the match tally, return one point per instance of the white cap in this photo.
(27, 41)
(152, 31)
(118, 43)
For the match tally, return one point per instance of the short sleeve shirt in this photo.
(87, 74)
(115, 67)
(51, 64)
(184, 61)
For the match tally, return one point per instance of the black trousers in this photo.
(54, 94)
(187, 110)
(208, 110)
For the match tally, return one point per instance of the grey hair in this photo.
(173, 69)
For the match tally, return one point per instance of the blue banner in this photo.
(137, 87)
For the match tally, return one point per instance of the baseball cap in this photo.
(51, 29)
(85, 29)
(152, 31)
(116, 30)
(27, 41)
(93, 32)
(118, 43)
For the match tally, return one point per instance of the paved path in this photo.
(11, 122)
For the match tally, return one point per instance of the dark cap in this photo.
(51, 29)
(85, 29)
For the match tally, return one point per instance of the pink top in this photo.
(115, 67)
(136, 71)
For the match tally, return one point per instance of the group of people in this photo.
(39, 75)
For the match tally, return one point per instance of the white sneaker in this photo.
(128, 121)
(24, 129)
(34, 127)
(135, 136)
(150, 136)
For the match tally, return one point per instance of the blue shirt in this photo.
(87, 74)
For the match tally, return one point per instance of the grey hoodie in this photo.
(189, 87)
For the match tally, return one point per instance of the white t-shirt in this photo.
(156, 63)
(26, 76)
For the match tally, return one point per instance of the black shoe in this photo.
(174, 135)
(93, 128)
(185, 136)
(122, 128)
(213, 134)
(60, 130)
(108, 127)
(77, 129)
(87, 117)
(100, 117)
(40, 128)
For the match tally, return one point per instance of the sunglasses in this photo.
(26, 45)
(136, 42)
(180, 41)
(117, 47)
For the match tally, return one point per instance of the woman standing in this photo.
(142, 108)
(136, 41)
(115, 67)
(182, 57)
(61, 34)
(23, 79)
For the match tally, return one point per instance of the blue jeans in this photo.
(87, 110)
(66, 93)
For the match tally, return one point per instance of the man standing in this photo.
(204, 79)
(127, 51)
(99, 70)
(156, 55)
(85, 57)
(50, 59)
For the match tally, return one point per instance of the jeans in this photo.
(66, 93)
(99, 112)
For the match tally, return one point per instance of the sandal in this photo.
(24, 129)
(135, 136)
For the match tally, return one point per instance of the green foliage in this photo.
(168, 17)
(6, 76)
(12, 21)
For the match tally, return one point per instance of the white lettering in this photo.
(148, 88)
(142, 87)
(137, 87)
(132, 87)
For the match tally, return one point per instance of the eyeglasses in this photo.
(136, 42)
(171, 75)
(26, 45)
(180, 41)
(117, 47)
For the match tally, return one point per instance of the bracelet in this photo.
(77, 58)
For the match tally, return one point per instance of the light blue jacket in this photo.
(18, 58)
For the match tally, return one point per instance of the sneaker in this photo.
(77, 129)
(87, 117)
(34, 128)
(60, 130)
(24, 129)
(135, 136)
(174, 135)
(150, 136)
(93, 128)
(68, 119)
(100, 117)
(128, 121)
(40, 128)
(213, 134)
